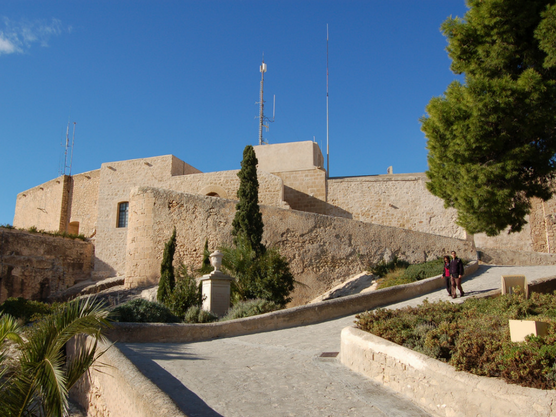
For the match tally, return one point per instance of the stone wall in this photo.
(437, 386)
(166, 172)
(305, 190)
(322, 250)
(398, 200)
(37, 267)
(83, 203)
(43, 206)
(117, 388)
(225, 184)
(516, 258)
(543, 225)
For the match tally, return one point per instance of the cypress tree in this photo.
(248, 220)
(167, 278)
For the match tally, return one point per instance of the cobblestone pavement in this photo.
(281, 373)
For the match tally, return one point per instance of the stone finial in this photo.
(216, 259)
(390, 170)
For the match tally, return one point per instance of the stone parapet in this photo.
(437, 386)
(276, 320)
(118, 388)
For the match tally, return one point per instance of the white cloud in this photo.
(6, 47)
(19, 37)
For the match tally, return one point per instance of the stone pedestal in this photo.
(216, 287)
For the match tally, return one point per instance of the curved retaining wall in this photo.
(282, 319)
(435, 385)
(118, 388)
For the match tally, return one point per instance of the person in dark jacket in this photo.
(456, 274)
(446, 275)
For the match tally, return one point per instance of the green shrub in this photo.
(266, 276)
(167, 277)
(382, 268)
(143, 311)
(474, 336)
(424, 270)
(206, 267)
(250, 308)
(186, 293)
(196, 314)
(26, 310)
(393, 278)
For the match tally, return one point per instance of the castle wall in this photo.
(398, 200)
(305, 190)
(43, 206)
(322, 250)
(83, 203)
(226, 183)
(36, 266)
(166, 172)
(291, 156)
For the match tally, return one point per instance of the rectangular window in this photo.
(123, 209)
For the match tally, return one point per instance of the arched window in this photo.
(123, 209)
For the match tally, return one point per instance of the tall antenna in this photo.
(68, 146)
(72, 142)
(262, 117)
(327, 153)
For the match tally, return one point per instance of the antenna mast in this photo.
(261, 104)
(327, 154)
(67, 146)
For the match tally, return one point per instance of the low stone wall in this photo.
(118, 389)
(435, 385)
(513, 257)
(282, 319)
(36, 267)
(322, 250)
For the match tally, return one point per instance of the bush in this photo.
(393, 278)
(424, 270)
(167, 278)
(382, 268)
(250, 308)
(143, 311)
(400, 272)
(266, 276)
(186, 293)
(196, 314)
(26, 310)
(474, 336)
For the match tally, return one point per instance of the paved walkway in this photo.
(281, 373)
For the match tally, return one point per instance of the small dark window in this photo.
(123, 209)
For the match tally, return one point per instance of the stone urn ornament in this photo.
(216, 260)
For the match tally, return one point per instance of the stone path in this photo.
(281, 373)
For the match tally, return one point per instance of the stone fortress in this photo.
(328, 228)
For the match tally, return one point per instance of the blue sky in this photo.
(149, 78)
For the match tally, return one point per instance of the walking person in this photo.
(456, 274)
(446, 275)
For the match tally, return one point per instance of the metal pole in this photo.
(327, 152)
(261, 112)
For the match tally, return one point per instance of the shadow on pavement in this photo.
(184, 398)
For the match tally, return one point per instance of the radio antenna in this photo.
(327, 153)
(262, 117)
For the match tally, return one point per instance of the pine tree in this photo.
(492, 140)
(167, 277)
(248, 220)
